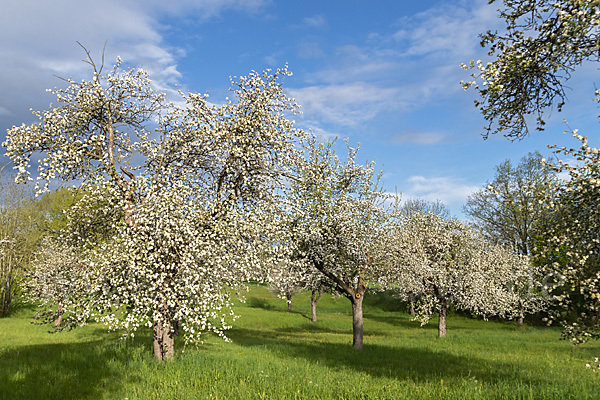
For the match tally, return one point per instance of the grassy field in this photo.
(276, 354)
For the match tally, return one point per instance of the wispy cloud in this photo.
(315, 21)
(308, 50)
(321, 133)
(447, 28)
(423, 138)
(274, 59)
(451, 191)
(398, 70)
(349, 104)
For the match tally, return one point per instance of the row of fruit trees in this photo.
(178, 206)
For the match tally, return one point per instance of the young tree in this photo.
(286, 280)
(318, 284)
(169, 219)
(18, 236)
(53, 209)
(417, 205)
(57, 278)
(507, 211)
(335, 210)
(442, 262)
(569, 248)
(544, 41)
(294, 276)
(410, 207)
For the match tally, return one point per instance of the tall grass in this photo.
(278, 354)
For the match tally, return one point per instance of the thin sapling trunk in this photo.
(314, 298)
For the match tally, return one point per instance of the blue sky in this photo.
(384, 74)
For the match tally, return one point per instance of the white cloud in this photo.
(201, 9)
(43, 36)
(274, 59)
(447, 28)
(348, 104)
(321, 133)
(368, 68)
(423, 138)
(399, 70)
(310, 50)
(316, 21)
(451, 191)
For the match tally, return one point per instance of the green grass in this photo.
(278, 354)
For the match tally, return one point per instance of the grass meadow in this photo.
(278, 354)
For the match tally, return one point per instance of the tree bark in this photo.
(6, 284)
(520, 321)
(58, 320)
(357, 321)
(313, 303)
(289, 301)
(355, 296)
(163, 341)
(442, 319)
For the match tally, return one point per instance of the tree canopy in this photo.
(335, 210)
(531, 59)
(508, 210)
(569, 245)
(441, 262)
(173, 197)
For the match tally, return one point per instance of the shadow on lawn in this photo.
(403, 321)
(415, 364)
(255, 302)
(19, 307)
(87, 370)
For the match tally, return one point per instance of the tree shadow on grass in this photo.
(300, 331)
(454, 323)
(87, 370)
(255, 302)
(18, 306)
(402, 321)
(402, 363)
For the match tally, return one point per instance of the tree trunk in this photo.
(520, 321)
(163, 342)
(5, 300)
(58, 320)
(289, 301)
(313, 303)
(357, 321)
(411, 309)
(442, 320)
(6, 284)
